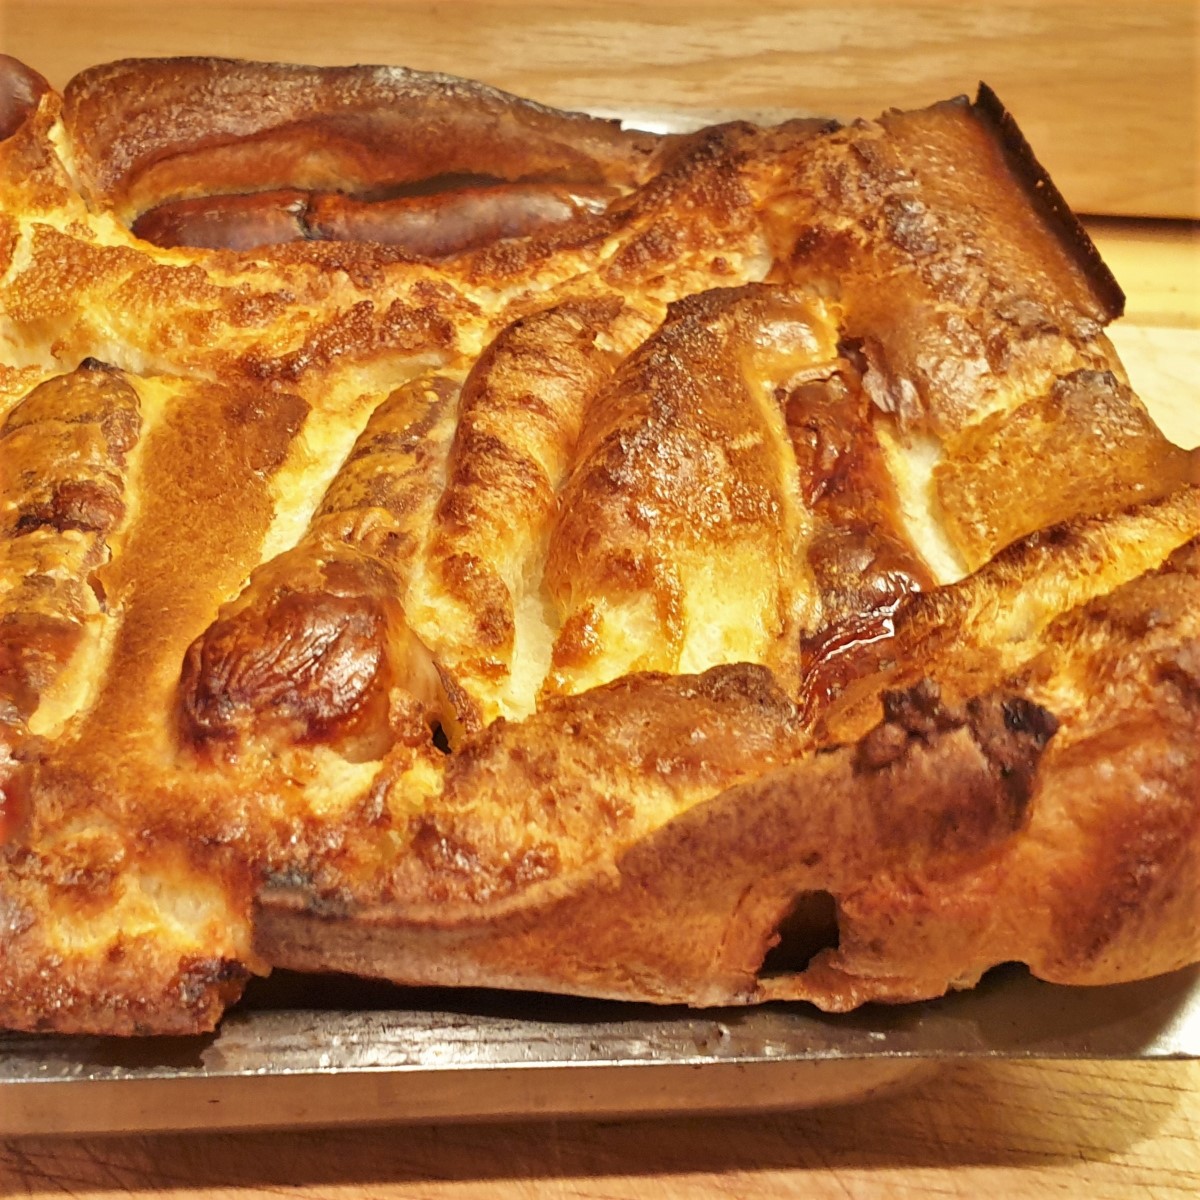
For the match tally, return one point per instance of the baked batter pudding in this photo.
(455, 541)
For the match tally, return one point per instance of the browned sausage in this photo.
(444, 223)
(428, 226)
(227, 222)
(20, 91)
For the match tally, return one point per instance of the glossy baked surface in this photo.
(638, 550)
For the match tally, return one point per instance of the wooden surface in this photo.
(1105, 90)
(1108, 1131)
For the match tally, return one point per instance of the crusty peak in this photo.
(143, 138)
(1042, 192)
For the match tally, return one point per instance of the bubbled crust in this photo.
(951, 839)
(522, 408)
(552, 602)
(317, 648)
(1092, 414)
(950, 316)
(971, 636)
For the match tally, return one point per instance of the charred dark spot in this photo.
(914, 715)
(1023, 716)
(1182, 669)
(331, 905)
(287, 879)
(200, 978)
(807, 241)
(1012, 732)
(81, 505)
(919, 709)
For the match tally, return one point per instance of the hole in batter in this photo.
(808, 927)
(440, 740)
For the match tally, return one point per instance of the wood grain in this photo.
(1105, 90)
(1108, 1131)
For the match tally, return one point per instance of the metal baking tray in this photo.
(325, 1051)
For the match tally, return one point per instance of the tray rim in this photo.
(290, 1068)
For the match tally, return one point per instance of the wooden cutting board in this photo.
(1016, 1132)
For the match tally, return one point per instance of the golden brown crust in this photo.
(609, 569)
(522, 408)
(945, 854)
(682, 464)
(863, 560)
(584, 778)
(971, 636)
(1045, 196)
(317, 647)
(1106, 454)
(898, 217)
(141, 982)
(1110, 852)
(686, 914)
